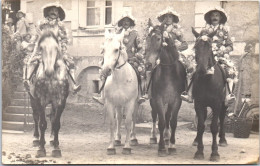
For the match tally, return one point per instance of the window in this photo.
(93, 14)
(108, 13)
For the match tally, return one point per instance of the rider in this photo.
(54, 14)
(133, 46)
(169, 20)
(222, 46)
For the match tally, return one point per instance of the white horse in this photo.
(120, 92)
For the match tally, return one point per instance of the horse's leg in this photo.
(166, 133)
(52, 119)
(56, 152)
(153, 138)
(200, 111)
(43, 125)
(222, 140)
(195, 142)
(214, 130)
(174, 109)
(36, 118)
(111, 114)
(158, 106)
(133, 138)
(118, 126)
(129, 110)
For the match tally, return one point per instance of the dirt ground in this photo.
(84, 137)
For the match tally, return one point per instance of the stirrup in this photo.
(230, 98)
(76, 89)
(141, 100)
(186, 97)
(100, 100)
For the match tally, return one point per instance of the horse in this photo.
(168, 81)
(51, 87)
(120, 92)
(208, 91)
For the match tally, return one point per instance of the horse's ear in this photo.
(150, 24)
(195, 33)
(107, 33)
(121, 35)
(212, 34)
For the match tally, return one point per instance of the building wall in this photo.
(85, 46)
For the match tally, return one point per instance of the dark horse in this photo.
(51, 87)
(168, 82)
(208, 91)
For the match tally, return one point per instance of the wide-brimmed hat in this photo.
(20, 11)
(170, 11)
(47, 7)
(126, 15)
(25, 35)
(216, 9)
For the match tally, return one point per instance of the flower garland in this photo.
(173, 28)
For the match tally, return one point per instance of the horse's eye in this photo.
(158, 39)
(116, 50)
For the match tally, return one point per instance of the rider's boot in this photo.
(76, 87)
(148, 89)
(100, 99)
(187, 95)
(141, 87)
(25, 79)
(230, 97)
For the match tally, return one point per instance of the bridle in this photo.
(119, 54)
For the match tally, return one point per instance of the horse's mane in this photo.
(47, 34)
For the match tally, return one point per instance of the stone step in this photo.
(20, 95)
(12, 132)
(20, 102)
(17, 117)
(22, 110)
(18, 126)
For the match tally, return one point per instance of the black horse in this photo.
(168, 82)
(51, 87)
(208, 91)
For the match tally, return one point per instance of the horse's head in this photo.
(113, 49)
(203, 49)
(154, 42)
(49, 47)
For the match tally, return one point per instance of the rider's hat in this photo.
(20, 11)
(126, 15)
(170, 11)
(216, 9)
(61, 11)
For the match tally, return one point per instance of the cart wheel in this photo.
(253, 113)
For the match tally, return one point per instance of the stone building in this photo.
(87, 20)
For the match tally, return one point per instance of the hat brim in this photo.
(175, 18)
(223, 15)
(120, 22)
(60, 10)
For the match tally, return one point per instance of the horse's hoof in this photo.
(118, 143)
(41, 153)
(111, 151)
(36, 143)
(162, 153)
(167, 142)
(134, 142)
(51, 143)
(195, 143)
(172, 151)
(56, 153)
(126, 151)
(223, 143)
(214, 157)
(199, 156)
(153, 140)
